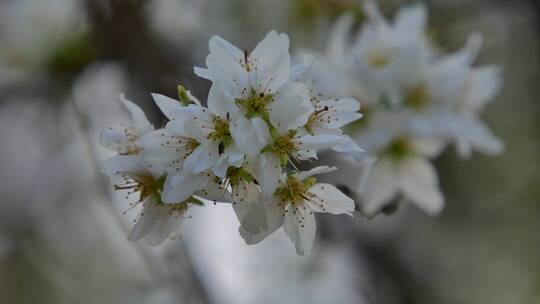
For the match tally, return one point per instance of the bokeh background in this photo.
(62, 234)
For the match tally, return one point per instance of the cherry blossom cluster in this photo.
(416, 99)
(259, 125)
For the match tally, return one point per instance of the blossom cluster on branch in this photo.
(244, 147)
(265, 116)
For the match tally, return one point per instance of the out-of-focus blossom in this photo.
(417, 101)
(38, 35)
(176, 19)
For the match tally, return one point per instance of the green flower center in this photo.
(221, 133)
(417, 97)
(145, 185)
(379, 60)
(282, 146)
(237, 175)
(294, 190)
(255, 105)
(398, 148)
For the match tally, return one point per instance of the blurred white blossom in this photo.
(31, 32)
(416, 100)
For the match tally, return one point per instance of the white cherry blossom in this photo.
(293, 206)
(255, 87)
(131, 172)
(404, 169)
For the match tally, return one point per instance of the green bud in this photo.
(183, 95)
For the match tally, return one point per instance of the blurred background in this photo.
(62, 234)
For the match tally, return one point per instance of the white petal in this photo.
(335, 120)
(274, 214)
(249, 209)
(412, 17)
(338, 42)
(167, 105)
(124, 164)
(317, 170)
(300, 226)
(311, 143)
(291, 108)
(151, 140)
(139, 119)
(203, 73)
(380, 186)
(364, 168)
(235, 156)
(430, 147)
(225, 69)
(180, 187)
(214, 191)
(251, 136)
(268, 172)
(218, 103)
(319, 141)
(485, 83)
(148, 217)
(372, 12)
(419, 182)
(167, 226)
(183, 116)
(116, 140)
(272, 62)
(470, 133)
(203, 157)
(298, 71)
(350, 148)
(231, 157)
(330, 199)
(223, 48)
(261, 128)
(341, 105)
(196, 128)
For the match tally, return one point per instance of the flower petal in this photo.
(271, 63)
(267, 173)
(203, 73)
(167, 105)
(338, 43)
(380, 186)
(418, 180)
(139, 119)
(349, 147)
(275, 214)
(341, 105)
(300, 226)
(148, 217)
(308, 145)
(180, 187)
(315, 171)
(218, 103)
(251, 136)
(291, 107)
(124, 164)
(329, 199)
(167, 226)
(203, 157)
(249, 209)
(117, 140)
(225, 69)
